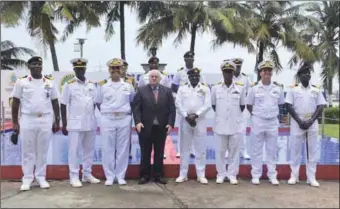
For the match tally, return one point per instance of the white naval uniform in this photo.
(144, 79)
(115, 126)
(229, 126)
(191, 100)
(305, 102)
(243, 78)
(181, 78)
(79, 97)
(264, 128)
(36, 119)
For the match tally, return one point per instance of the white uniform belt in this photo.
(36, 114)
(116, 113)
(265, 118)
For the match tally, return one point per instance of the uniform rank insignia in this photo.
(201, 91)
(47, 88)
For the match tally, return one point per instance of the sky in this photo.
(98, 51)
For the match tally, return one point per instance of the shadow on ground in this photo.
(186, 195)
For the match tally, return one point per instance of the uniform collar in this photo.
(302, 87)
(231, 86)
(111, 82)
(80, 81)
(261, 84)
(198, 85)
(30, 78)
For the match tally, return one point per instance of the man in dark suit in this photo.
(154, 112)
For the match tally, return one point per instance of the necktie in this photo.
(155, 94)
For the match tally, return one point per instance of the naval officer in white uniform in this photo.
(263, 101)
(114, 100)
(304, 103)
(79, 122)
(37, 97)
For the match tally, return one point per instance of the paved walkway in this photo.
(186, 195)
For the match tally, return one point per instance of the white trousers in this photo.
(243, 141)
(264, 133)
(78, 140)
(295, 146)
(34, 146)
(115, 146)
(230, 143)
(180, 134)
(35, 136)
(193, 137)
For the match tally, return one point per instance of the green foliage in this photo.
(10, 55)
(332, 115)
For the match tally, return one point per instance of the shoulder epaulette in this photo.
(204, 84)
(100, 83)
(164, 73)
(316, 86)
(130, 77)
(278, 84)
(254, 84)
(217, 83)
(293, 86)
(24, 77)
(49, 77)
(71, 81)
(244, 74)
(239, 83)
(180, 69)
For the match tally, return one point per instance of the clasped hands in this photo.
(305, 124)
(191, 119)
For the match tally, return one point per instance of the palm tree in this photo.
(10, 55)
(182, 18)
(41, 16)
(115, 12)
(274, 22)
(243, 32)
(325, 24)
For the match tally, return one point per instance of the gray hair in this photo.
(153, 72)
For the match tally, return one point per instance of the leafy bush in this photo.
(332, 115)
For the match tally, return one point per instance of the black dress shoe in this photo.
(161, 180)
(143, 180)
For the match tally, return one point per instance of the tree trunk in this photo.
(122, 29)
(330, 90)
(193, 38)
(54, 56)
(260, 59)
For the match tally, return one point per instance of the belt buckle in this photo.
(116, 114)
(39, 114)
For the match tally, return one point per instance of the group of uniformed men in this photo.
(37, 96)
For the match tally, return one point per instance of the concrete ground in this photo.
(186, 195)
